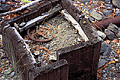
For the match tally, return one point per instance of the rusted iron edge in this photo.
(22, 53)
(13, 31)
(50, 67)
(104, 24)
(39, 19)
(43, 5)
(21, 8)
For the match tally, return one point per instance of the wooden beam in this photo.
(75, 24)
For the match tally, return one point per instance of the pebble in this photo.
(37, 53)
(96, 15)
(84, 0)
(113, 28)
(22, 24)
(117, 65)
(117, 13)
(52, 58)
(110, 35)
(116, 3)
(101, 34)
(107, 12)
(109, 6)
(103, 47)
(12, 74)
(107, 51)
(107, 1)
(5, 7)
(105, 75)
(101, 63)
(79, 39)
(0, 37)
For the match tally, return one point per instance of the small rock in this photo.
(117, 13)
(52, 58)
(105, 75)
(118, 35)
(3, 0)
(113, 28)
(101, 34)
(96, 15)
(0, 19)
(95, 2)
(16, 26)
(107, 1)
(107, 12)
(37, 53)
(0, 9)
(22, 24)
(39, 59)
(5, 7)
(12, 74)
(79, 39)
(107, 51)
(109, 6)
(110, 35)
(101, 63)
(103, 47)
(117, 65)
(116, 3)
(103, 57)
(0, 37)
(84, 0)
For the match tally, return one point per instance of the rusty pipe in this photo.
(104, 24)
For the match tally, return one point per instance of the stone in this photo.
(0, 9)
(5, 7)
(39, 59)
(110, 35)
(116, 3)
(107, 51)
(79, 39)
(109, 6)
(0, 37)
(105, 75)
(107, 12)
(37, 53)
(103, 47)
(96, 15)
(101, 34)
(84, 0)
(118, 34)
(0, 19)
(107, 1)
(101, 63)
(12, 74)
(52, 58)
(3, 0)
(117, 65)
(117, 13)
(113, 28)
(22, 24)
(16, 25)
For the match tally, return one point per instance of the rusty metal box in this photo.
(82, 58)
